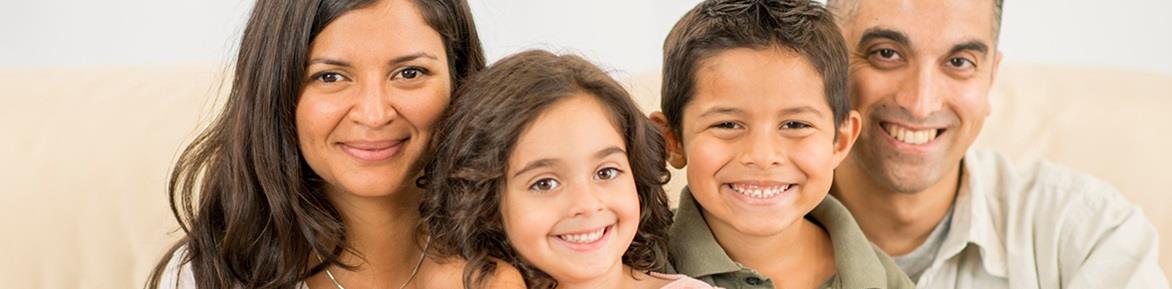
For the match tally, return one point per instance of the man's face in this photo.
(920, 73)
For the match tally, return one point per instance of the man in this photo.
(920, 73)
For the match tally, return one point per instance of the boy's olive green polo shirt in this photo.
(695, 252)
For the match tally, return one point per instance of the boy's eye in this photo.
(544, 185)
(607, 174)
(727, 125)
(794, 125)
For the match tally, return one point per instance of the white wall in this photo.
(623, 35)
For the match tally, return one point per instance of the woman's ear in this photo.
(675, 149)
(845, 136)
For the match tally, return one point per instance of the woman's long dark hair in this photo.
(252, 209)
(461, 208)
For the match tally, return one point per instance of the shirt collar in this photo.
(856, 259)
(973, 221)
(697, 254)
(692, 245)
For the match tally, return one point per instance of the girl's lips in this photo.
(373, 151)
(588, 246)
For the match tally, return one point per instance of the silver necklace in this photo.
(414, 271)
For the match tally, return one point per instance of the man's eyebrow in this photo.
(973, 45)
(875, 33)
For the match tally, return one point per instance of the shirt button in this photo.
(753, 281)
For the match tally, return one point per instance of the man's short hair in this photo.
(845, 10)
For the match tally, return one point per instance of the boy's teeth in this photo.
(759, 192)
(584, 237)
(910, 136)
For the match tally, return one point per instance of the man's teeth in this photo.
(584, 237)
(759, 192)
(909, 136)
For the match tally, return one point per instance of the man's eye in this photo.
(607, 173)
(544, 185)
(961, 62)
(886, 53)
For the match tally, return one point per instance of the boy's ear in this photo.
(675, 149)
(847, 133)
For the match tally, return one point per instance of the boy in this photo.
(755, 105)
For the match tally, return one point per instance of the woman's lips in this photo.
(373, 151)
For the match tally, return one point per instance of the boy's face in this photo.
(570, 206)
(759, 140)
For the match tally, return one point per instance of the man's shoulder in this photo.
(1036, 181)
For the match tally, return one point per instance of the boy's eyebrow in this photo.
(535, 165)
(874, 33)
(800, 110)
(609, 151)
(722, 110)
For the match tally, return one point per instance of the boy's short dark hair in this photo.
(713, 26)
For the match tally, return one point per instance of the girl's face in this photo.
(569, 205)
(376, 81)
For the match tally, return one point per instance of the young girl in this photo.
(547, 164)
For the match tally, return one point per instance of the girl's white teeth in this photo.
(759, 192)
(909, 136)
(584, 237)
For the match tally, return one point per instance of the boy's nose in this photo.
(762, 150)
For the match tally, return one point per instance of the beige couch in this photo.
(86, 154)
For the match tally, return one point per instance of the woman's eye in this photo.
(794, 125)
(411, 73)
(607, 174)
(544, 185)
(330, 77)
(727, 125)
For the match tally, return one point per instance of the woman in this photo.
(308, 176)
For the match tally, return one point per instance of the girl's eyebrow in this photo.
(535, 165)
(609, 151)
(541, 163)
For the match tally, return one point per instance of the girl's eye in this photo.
(544, 185)
(607, 174)
(330, 77)
(411, 73)
(794, 125)
(727, 125)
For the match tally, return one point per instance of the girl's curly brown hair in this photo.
(465, 177)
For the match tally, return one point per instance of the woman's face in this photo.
(376, 81)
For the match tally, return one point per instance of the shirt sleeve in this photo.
(1117, 245)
